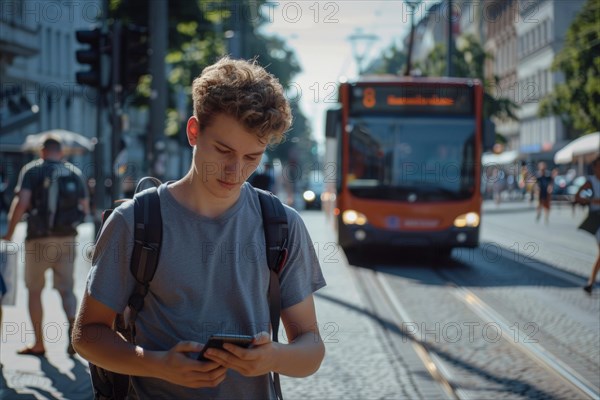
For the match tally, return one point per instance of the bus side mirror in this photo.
(489, 135)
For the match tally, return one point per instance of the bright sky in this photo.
(318, 32)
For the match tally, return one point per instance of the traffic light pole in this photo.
(99, 197)
(117, 108)
(158, 15)
(449, 67)
(100, 147)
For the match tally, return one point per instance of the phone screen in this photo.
(216, 342)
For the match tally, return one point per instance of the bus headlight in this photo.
(351, 217)
(470, 220)
(309, 196)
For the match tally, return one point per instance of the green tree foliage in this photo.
(468, 62)
(393, 61)
(577, 100)
(298, 142)
(196, 39)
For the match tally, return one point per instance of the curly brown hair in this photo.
(245, 91)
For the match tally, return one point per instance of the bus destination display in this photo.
(412, 99)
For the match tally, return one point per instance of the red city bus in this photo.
(403, 162)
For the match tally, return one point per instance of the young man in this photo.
(592, 183)
(212, 275)
(45, 247)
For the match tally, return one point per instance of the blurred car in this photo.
(313, 192)
(559, 188)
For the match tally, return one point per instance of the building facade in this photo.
(522, 37)
(38, 89)
(500, 18)
(541, 29)
(46, 76)
(38, 66)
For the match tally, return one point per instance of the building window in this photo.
(47, 52)
(40, 55)
(58, 51)
(68, 65)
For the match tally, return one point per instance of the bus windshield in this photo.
(409, 158)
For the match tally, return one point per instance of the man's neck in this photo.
(197, 198)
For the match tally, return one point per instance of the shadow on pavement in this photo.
(489, 265)
(78, 388)
(8, 393)
(74, 387)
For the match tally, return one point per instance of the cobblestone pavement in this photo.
(545, 291)
(482, 362)
(531, 274)
(358, 364)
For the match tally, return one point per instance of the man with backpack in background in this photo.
(212, 275)
(544, 184)
(54, 195)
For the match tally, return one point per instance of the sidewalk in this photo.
(556, 207)
(57, 376)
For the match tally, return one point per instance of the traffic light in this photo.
(135, 55)
(92, 55)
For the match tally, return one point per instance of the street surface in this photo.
(508, 320)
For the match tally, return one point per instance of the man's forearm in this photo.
(105, 348)
(302, 357)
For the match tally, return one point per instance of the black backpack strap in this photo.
(146, 248)
(276, 239)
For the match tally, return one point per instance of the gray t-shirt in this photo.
(212, 277)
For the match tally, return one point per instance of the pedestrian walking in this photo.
(53, 194)
(544, 183)
(263, 179)
(211, 275)
(593, 219)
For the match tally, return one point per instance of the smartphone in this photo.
(216, 342)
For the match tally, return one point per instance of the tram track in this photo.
(541, 355)
(377, 296)
(535, 351)
(382, 297)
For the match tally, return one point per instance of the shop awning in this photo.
(581, 147)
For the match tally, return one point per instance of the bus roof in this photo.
(443, 80)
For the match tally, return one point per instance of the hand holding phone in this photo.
(216, 341)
